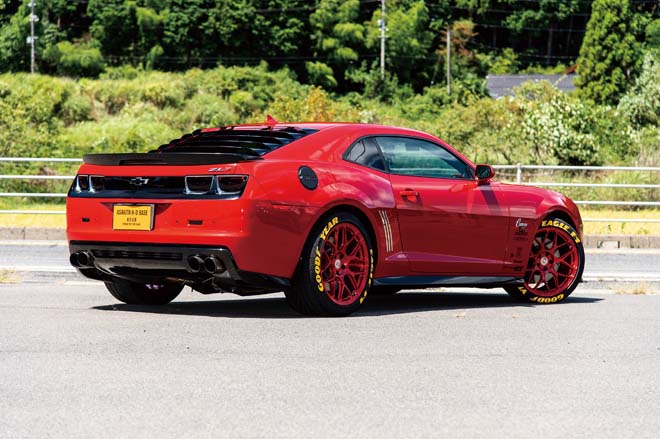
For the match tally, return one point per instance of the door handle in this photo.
(409, 193)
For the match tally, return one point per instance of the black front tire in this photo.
(143, 294)
(572, 248)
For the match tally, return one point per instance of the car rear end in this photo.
(190, 212)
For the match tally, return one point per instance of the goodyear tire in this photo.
(555, 264)
(143, 294)
(335, 270)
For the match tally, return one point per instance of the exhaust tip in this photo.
(195, 264)
(81, 259)
(213, 265)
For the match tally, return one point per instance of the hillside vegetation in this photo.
(132, 110)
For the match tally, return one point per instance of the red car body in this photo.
(424, 231)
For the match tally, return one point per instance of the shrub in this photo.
(77, 60)
(320, 74)
(315, 106)
(204, 110)
(125, 71)
(76, 108)
(161, 89)
(641, 105)
(505, 62)
(244, 103)
(118, 134)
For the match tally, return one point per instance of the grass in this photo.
(616, 228)
(32, 220)
(8, 277)
(641, 288)
(591, 228)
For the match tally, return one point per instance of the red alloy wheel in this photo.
(554, 262)
(344, 264)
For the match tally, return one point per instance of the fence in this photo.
(519, 170)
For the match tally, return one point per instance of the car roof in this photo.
(317, 126)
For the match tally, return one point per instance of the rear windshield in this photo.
(244, 141)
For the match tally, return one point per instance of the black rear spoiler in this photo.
(165, 159)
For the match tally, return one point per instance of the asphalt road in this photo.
(74, 363)
(459, 363)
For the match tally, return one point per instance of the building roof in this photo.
(503, 85)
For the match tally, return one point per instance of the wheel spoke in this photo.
(345, 243)
(349, 280)
(554, 262)
(538, 283)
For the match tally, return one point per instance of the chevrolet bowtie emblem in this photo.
(139, 181)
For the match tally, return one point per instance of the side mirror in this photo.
(485, 174)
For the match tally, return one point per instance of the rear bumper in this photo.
(263, 237)
(142, 262)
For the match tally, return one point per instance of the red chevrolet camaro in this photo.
(326, 212)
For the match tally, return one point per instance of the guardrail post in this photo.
(519, 173)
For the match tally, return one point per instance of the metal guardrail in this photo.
(519, 168)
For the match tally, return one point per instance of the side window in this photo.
(408, 156)
(365, 152)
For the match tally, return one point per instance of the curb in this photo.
(622, 241)
(32, 233)
(590, 241)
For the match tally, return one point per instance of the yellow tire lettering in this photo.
(317, 270)
(317, 260)
(553, 299)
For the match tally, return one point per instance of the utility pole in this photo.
(383, 28)
(448, 61)
(32, 40)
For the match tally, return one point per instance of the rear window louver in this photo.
(247, 142)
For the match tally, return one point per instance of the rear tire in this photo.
(555, 264)
(335, 270)
(143, 294)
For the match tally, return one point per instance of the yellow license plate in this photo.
(133, 216)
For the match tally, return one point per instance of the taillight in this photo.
(96, 183)
(231, 184)
(228, 186)
(198, 185)
(82, 183)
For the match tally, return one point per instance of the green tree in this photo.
(545, 14)
(337, 38)
(409, 40)
(13, 47)
(114, 25)
(279, 26)
(608, 52)
(653, 34)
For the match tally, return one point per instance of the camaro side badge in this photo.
(520, 225)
